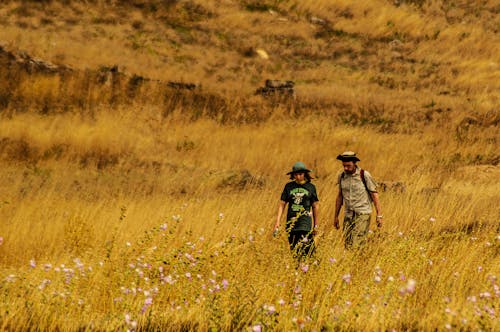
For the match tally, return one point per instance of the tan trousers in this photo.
(355, 229)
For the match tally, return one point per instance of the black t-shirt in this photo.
(300, 198)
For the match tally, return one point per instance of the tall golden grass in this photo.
(153, 209)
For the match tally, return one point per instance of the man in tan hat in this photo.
(357, 191)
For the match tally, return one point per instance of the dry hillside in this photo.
(143, 151)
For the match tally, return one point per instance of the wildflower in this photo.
(225, 284)
(432, 219)
(47, 267)
(332, 260)
(32, 263)
(163, 227)
(400, 234)
(44, 283)
(147, 303)
(304, 268)
(281, 302)
(257, 328)
(346, 278)
(188, 275)
(1, 240)
(128, 244)
(221, 216)
(479, 268)
(490, 311)
(169, 280)
(176, 217)
(132, 324)
(471, 298)
(448, 326)
(485, 295)
(390, 278)
(377, 279)
(78, 263)
(410, 286)
(270, 309)
(10, 278)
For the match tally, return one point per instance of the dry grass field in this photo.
(132, 200)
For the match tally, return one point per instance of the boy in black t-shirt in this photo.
(302, 214)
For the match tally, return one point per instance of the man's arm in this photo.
(376, 202)
(338, 206)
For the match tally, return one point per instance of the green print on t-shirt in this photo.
(298, 195)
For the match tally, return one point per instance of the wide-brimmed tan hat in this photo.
(298, 167)
(348, 156)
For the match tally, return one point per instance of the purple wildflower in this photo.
(346, 278)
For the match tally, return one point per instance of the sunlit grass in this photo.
(155, 212)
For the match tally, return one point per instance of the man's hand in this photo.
(336, 223)
(379, 221)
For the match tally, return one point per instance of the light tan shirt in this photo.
(356, 198)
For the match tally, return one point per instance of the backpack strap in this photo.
(362, 175)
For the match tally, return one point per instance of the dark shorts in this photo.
(301, 243)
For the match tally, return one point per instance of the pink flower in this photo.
(257, 328)
(270, 309)
(346, 278)
(225, 284)
(410, 286)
